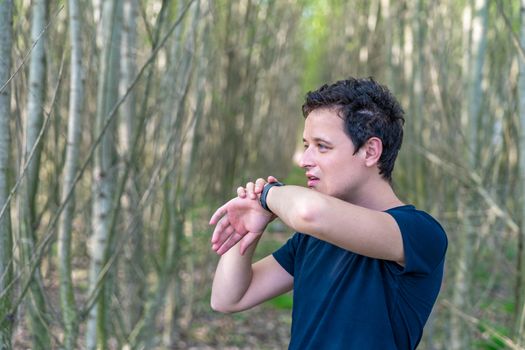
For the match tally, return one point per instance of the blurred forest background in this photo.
(124, 123)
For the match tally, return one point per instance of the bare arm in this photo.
(364, 231)
(238, 285)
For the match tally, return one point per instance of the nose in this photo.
(306, 160)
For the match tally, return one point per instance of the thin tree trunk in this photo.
(132, 288)
(520, 293)
(372, 20)
(407, 38)
(417, 99)
(176, 86)
(176, 300)
(389, 42)
(459, 337)
(6, 244)
(103, 174)
(470, 116)
(142, 336)
(458, 334)
(67, 298)
(475, 98)
(230, 101)
(36, 304)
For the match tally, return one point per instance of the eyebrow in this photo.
(319, 139)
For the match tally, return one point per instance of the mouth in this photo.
(312, 180)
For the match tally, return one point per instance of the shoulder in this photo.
(424, 239)
(409, 218)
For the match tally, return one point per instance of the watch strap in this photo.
(264, 194)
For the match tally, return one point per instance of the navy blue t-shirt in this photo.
(343, 300)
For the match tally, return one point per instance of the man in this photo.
(365, 268)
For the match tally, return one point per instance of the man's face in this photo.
(331, 166)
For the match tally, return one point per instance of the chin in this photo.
(320, 190)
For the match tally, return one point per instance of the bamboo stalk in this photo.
(6, 243)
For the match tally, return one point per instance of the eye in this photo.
(305, 145)
(322, 146)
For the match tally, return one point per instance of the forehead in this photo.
(324, 123)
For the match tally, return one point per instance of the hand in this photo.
(241, 219)
(253, 191)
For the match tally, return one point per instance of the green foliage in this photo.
(491, 340)
(314, 25)
(508, 307)
(266, 246)
(284, 301)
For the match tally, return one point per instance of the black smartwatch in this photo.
(264, 194)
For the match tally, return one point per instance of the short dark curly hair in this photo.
(368, 110)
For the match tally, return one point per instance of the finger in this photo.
(220, 231)
(272, 179)
(247, 241)
(241, 192)
(250, 186)
(219, 213)
(222, 237)
(234, 238)
(259, 185)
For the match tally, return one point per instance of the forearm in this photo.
(368, 232)
(232, 279)
(295, 206)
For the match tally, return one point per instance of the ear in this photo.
(373, 148)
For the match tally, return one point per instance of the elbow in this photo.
(221, 307)
(308, 216)
(218, 308)
(216, 305)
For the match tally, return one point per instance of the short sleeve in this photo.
(285, 255)
(424, 240)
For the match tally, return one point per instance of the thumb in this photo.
(247, 241)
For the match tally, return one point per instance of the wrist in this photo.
(264, 195)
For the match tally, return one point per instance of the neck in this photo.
(377, 195)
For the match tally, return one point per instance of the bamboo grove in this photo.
(123, 123)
